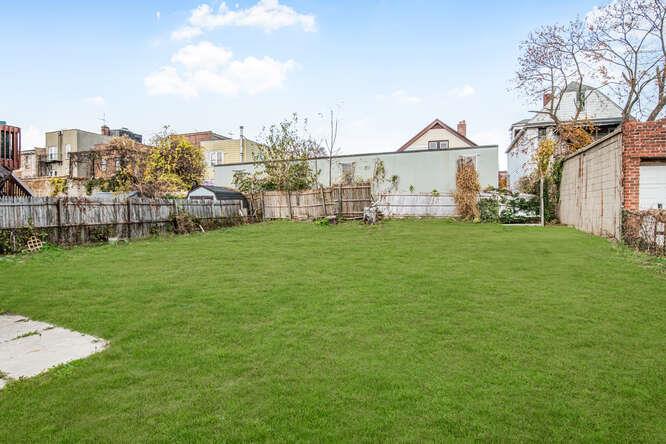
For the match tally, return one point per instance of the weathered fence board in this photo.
(73, 221)
(346, 202)
(416, 205)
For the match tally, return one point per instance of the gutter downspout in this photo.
(242, 150)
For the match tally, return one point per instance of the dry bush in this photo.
(184, 223)
(467, 190)
(640, 229)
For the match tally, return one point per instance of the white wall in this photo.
(425, 171)
(591, 189)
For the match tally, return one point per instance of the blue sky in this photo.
(387, 67)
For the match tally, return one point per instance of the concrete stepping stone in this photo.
(28, 348)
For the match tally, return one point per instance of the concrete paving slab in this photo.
(46, 347)
(14, 326)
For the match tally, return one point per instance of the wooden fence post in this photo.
(323, 201)
(129, 218)
(175, 213)
(59, 216)
(291, 214)
(263, 205)
(340, 202)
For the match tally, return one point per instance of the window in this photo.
(542, 134)
(6, 147)
(118, 165)
(53, 153)
(438, 144)
(68, 149)
(102, 165)
(216, 157)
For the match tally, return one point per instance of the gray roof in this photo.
(222, 193)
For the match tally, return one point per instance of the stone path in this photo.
(28, 348)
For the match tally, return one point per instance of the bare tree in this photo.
(620, 48)
(552, 59)
(628, 50)
(330, 145)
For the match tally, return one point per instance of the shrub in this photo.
(519, 210)
(467, 190)
(184, 223)
(489, 209)
(58, 186)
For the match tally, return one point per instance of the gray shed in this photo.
(216, 194)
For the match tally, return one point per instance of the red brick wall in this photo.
(641, 140)
(13, 162)
(197, 138)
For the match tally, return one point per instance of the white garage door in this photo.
(652, 185)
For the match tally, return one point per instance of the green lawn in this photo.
(410, 330)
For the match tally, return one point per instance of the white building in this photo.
(425, 163)
(526, 134)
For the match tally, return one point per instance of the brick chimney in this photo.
(546, 98)
(462, 128)
(106, 131)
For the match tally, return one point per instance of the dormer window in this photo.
(438, 145)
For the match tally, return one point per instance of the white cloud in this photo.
(255, 75)
(203, 55)
(268, 15)
(95, 100)
(207, 68)
(158, 15)
(463, 91)
(186, 33)
(167, 81)
(400, 96)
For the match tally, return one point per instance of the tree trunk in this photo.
(543, 219)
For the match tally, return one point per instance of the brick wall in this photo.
(197, 138)
(591, 191)
(642, 140)
(10, 147)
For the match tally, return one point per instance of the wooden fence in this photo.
(345, 202)
(416, 205)
(75, 221)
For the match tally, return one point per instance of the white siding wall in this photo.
(424, 171)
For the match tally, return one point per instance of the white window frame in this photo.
(53, 153)
(439, 144)
(215, 158)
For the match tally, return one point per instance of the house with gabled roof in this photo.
(426, 163)
(525, 135)
(437, 135)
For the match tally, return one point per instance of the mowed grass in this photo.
(410, 330)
